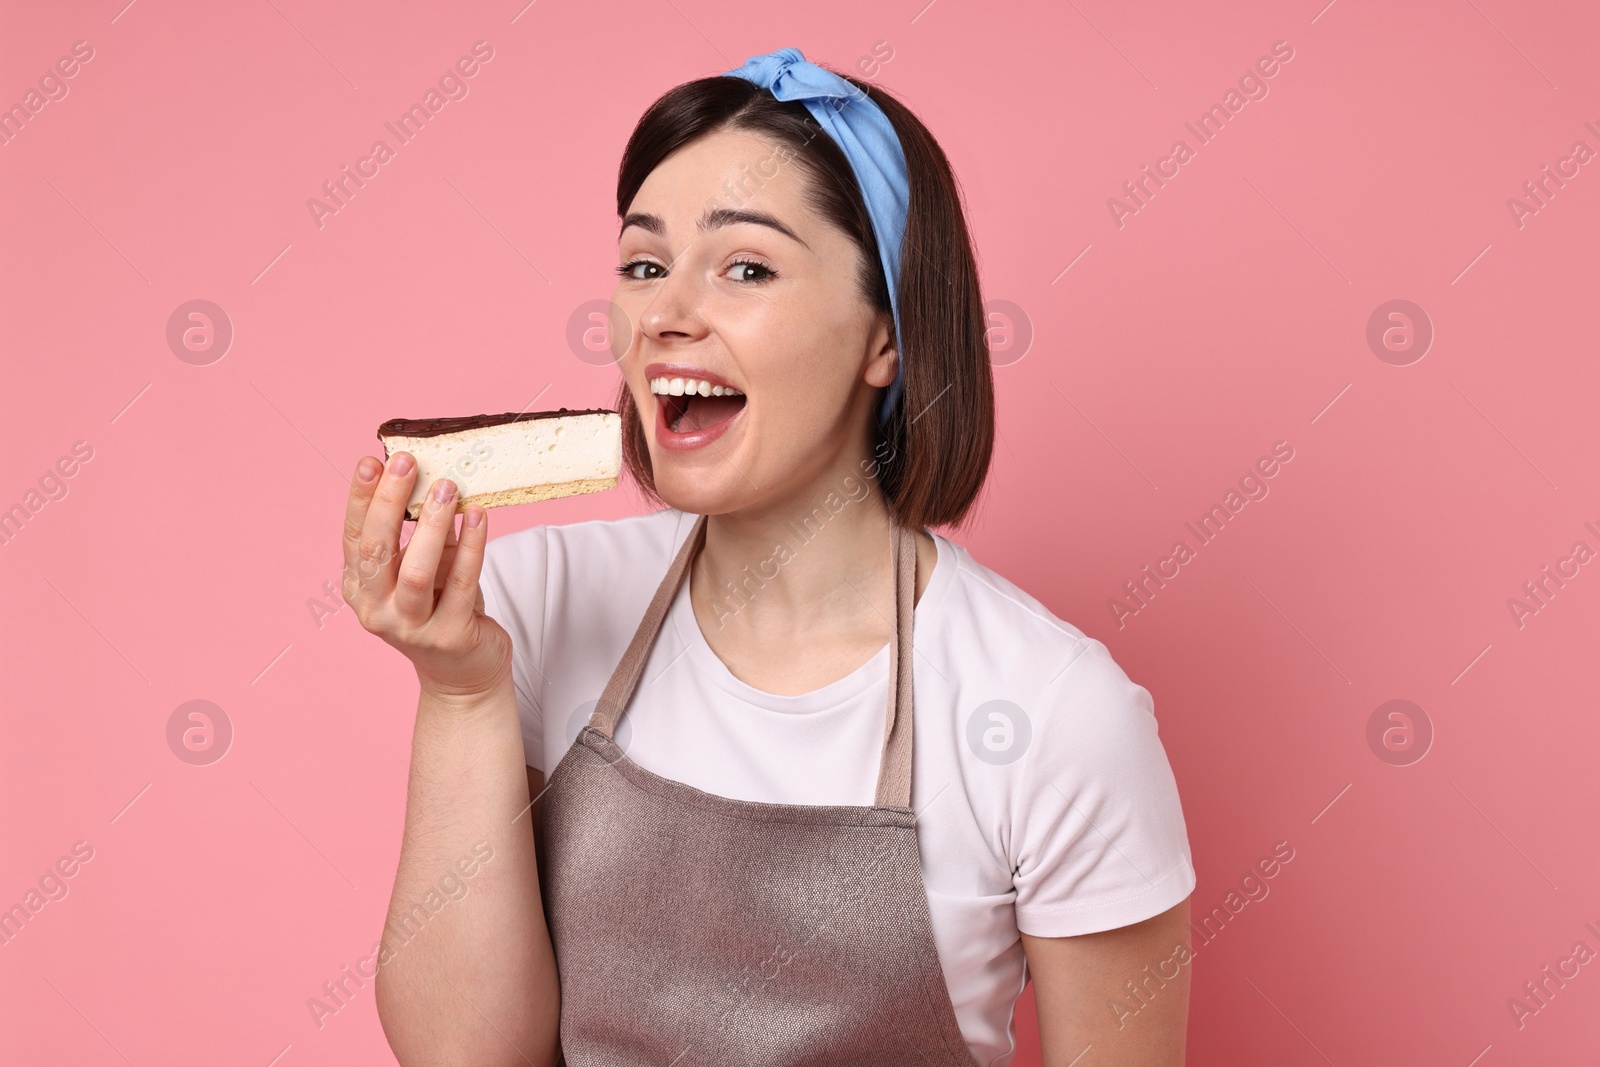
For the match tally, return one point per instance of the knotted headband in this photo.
(867, 138)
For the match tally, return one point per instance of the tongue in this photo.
(706, 411)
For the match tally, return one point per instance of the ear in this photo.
(885, 357)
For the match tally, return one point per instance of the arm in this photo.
(1080, 988)
(477, 984)
(466, 973)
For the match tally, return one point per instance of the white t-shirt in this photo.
(1052, 812)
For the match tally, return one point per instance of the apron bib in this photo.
(696, 930)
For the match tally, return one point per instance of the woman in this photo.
(748, 849)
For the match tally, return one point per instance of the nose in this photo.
(675, 311)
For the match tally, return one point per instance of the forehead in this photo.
(727, 169)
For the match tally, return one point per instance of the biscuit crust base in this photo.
(525, 494)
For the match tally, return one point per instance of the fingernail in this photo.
(368, 469)
(474, 518)
(400, 465)
(442, 491)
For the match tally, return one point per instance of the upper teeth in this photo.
(685, 386)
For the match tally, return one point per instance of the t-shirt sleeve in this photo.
(1099, 840)
(513, 581)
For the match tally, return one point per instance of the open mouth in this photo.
(692, 406)
(687, 414)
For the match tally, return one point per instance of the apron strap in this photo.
(894, 767)
(625, 678)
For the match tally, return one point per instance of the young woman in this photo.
(746, 847)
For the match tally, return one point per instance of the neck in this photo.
(816, 559)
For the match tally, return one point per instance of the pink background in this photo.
(1228, 314)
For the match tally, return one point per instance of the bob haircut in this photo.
(933, 453)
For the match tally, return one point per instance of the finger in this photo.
(446, 560)
(355, 512)
(413, 593)
(461, 593)
(449, 554)
(378, 551)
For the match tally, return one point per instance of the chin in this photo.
(699, 499)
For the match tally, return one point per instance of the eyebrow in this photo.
(714, 218)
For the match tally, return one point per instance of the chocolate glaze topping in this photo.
(455, 424)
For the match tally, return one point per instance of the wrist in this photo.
(469, 700)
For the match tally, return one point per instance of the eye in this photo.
(763, 272)
(766, 272)
(627, 270)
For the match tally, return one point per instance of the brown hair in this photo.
(933, 454)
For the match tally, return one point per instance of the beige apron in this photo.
(695, 930)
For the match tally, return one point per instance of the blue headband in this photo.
(869, 142)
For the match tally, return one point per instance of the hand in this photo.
(423, 599)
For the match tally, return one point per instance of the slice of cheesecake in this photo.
(513, 458)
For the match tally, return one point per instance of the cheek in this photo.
(624, 326)
(808, 365)
(805, 394)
